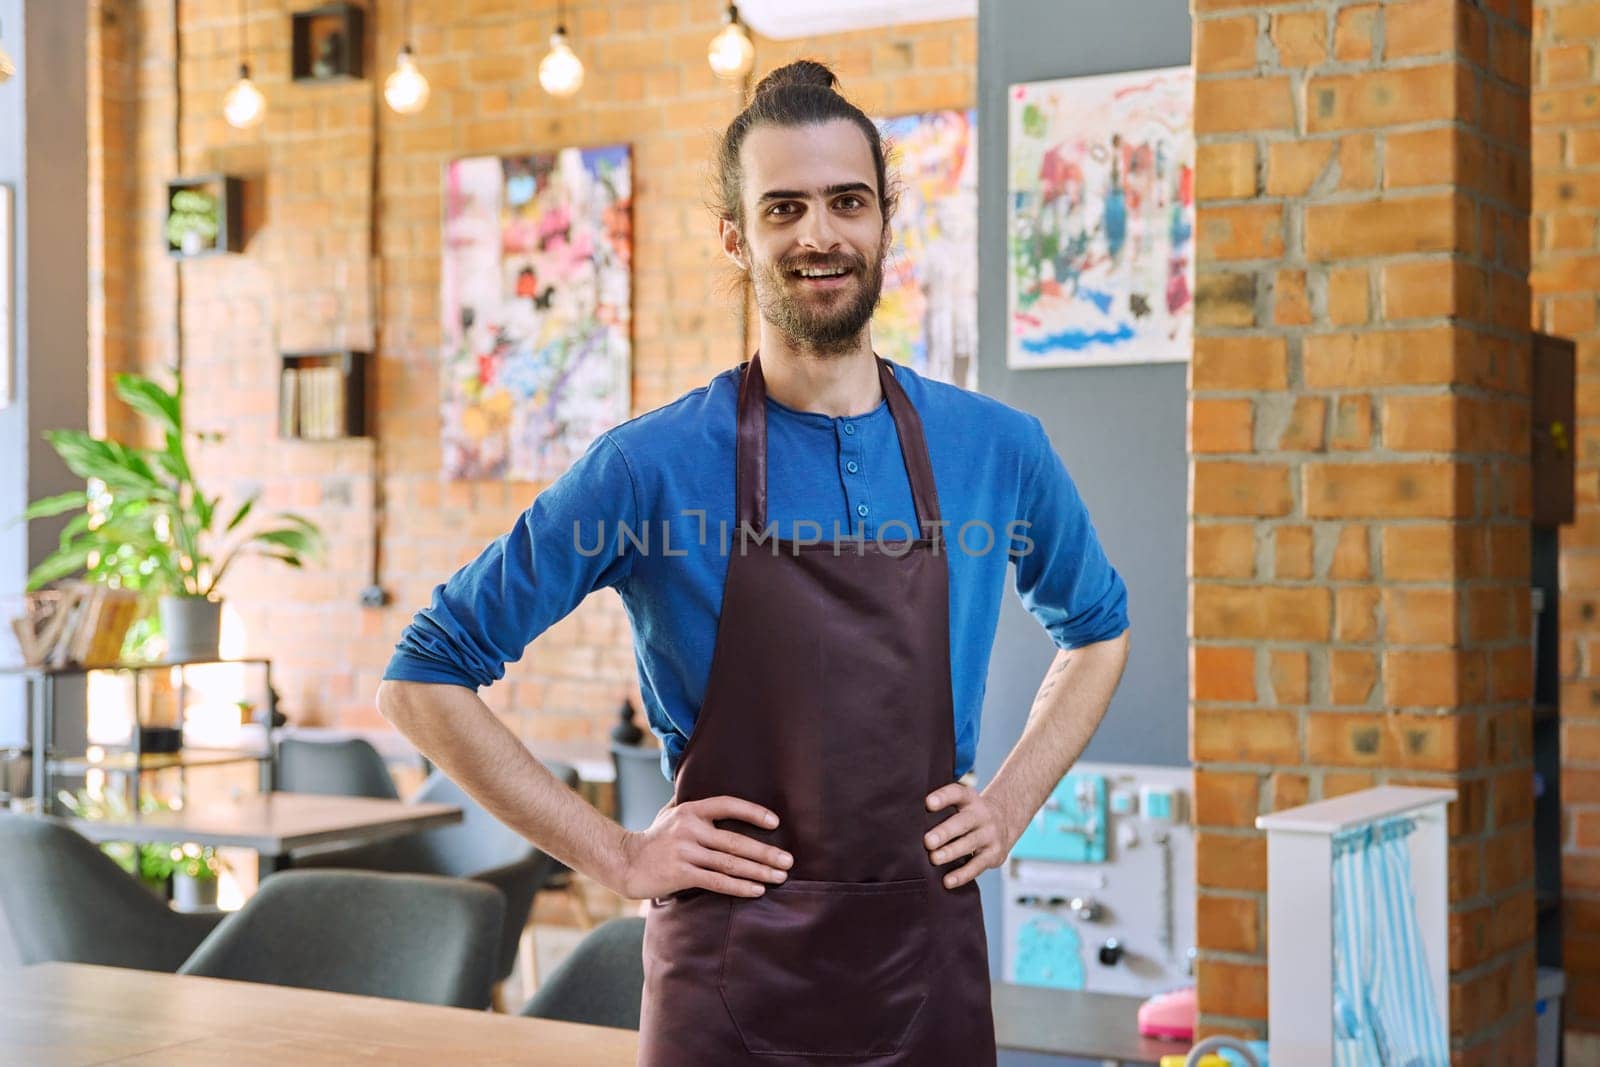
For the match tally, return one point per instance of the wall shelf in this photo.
(204, 216)
(327, 44)
(322, 396)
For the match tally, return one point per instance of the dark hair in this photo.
(801, 93)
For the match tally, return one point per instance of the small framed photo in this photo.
(327, 43)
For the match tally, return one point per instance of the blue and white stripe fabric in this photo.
(1385, 1014)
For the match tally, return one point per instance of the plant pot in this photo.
(192, 626)
(193, 894)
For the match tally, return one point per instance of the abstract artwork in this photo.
(1101, 227)
(537, 306)
(928, 316)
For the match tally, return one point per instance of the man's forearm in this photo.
(455, 729)
(1068, 708)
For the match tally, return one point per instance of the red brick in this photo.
(1352, 37)
(1242, 986)
(1220, 426)
(1228, 924)
(1244, 735)
(1290, 675)
(1228, 800)
(1226, 488)
(1245, 231)
(1224, 673)
(1231, 861)
(1225, 44)
(1231, 105)
(1224, 550)
(1386, 490)
(1240, 363)
(1386, 227)
(1300, 37)
(1419, 616)
(1293, 552)
(1277, 613)
(1225, 170)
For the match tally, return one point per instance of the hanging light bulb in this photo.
(732, 53)
(244, 106)
(406, 89)
(560, 71)
(7, 68)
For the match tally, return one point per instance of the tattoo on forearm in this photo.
(1058, 667)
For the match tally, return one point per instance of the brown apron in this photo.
(829, 703)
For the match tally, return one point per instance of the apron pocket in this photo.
(827, 968)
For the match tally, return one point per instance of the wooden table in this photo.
(275, 824)
(1092, 1026)
(75, 1015)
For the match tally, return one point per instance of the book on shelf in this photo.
(75, 624)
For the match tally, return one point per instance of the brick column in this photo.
(1566, 259)
(1358, 428)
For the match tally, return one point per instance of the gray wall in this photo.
(44, 158)
(1119, 429)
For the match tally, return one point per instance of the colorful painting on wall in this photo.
(928, 316)
(1101, 228)
(537, 305)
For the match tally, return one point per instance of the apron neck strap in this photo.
(751, 450)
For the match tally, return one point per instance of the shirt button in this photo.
(850, 429)
(851, 467)
(861, 509)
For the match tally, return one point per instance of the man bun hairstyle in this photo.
(802, 93)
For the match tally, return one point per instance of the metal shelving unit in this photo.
(41, 684)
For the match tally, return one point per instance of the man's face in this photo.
(814, 235)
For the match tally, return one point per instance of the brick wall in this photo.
(316, 273)
(1359, 554)
(1566, 260)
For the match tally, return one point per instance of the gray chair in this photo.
(601, 983)
(349, 768)
(65, 900)
(401, 936)
(480, 847)
(642, 790)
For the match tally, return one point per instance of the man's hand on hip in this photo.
(685, 849)
(977, 829)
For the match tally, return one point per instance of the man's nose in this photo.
(817, 232)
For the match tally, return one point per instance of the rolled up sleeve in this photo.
(1062, 574)
(561, 549)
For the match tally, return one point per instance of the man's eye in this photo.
(850, 203)
(782, 209)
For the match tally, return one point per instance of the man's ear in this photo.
(733, 244)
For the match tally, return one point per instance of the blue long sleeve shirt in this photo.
(649, 511)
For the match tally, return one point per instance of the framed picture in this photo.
(8, 324)
(537, 285)
(1100, 232)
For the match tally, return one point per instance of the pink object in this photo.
(1170, 1016)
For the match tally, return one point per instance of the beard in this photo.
(826, 323)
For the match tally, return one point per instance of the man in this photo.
(812, 885)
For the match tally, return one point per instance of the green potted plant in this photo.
(152, 864)
(145, 523)
(194, 877)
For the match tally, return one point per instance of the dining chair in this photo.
(480, 847)
(601, 983)
(409, 937)
(349, 768)
(66, 901)
(642, 790)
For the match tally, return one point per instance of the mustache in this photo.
(795, 263)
